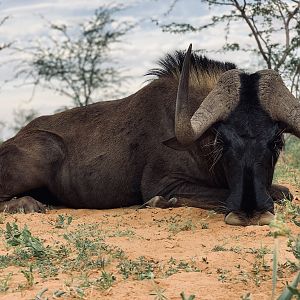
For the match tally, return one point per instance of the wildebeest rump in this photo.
(208, 138)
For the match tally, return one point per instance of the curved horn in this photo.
(219, 103)
(278, 101)
(215, 107)
(183, 129)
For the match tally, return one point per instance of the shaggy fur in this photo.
(204, 72)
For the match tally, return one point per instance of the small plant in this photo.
(158, 292)
(29, 276)
(280, 229)
(291, 290)
(260, 266)
(174, 266)
(58, 294)
(222, 274)
(204, 226)
(4, 283)
(184, 297)
(106, 280)
(177, 226)
(235, 249)
(63, 221)
(2, 218)
(23, 238)
(121, 233)
(141, 268)
(246, 297)
(218, 248)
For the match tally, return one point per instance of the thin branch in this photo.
(246, 18)
(4, 20)
(171, 7)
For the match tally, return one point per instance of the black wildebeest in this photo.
(207, 137)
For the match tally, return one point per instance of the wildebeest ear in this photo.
(174, 144)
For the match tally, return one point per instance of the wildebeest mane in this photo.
(204, 71)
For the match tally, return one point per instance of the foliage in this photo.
(16, 237)
(63, 221)
(288, 166)
(273, 25)
(75, 61)
(280, 228)
(28, 274)
(106, 280)
(184, 297)
(158, 292)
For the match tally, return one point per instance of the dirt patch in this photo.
(139, 254)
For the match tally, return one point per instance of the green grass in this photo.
(288, 166)
(184, 297)
(219, 248)
(63, 221)
(158, 292)
(287, 212)
(4, 282)
(81, 252)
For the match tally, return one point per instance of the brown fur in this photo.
(204, 73)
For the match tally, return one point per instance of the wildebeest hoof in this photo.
(265, 218)
(153, 202)
(172, 202)
(160, 202)
(24, 204)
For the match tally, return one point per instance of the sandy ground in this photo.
(217, 261)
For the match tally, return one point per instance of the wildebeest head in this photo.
(249, 114)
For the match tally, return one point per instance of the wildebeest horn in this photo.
(183, 129)
(215, 107)
(278, 101)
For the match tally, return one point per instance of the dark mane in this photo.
(203, 70)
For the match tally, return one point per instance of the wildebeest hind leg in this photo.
(28, 162)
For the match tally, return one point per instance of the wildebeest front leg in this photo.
(201, 197)
(206, 198)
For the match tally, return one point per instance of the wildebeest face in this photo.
(248, 160)
(251, 142)
(246, 111)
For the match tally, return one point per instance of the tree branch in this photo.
(246, 18)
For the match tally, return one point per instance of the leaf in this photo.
(275, 269)
(291, 289)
